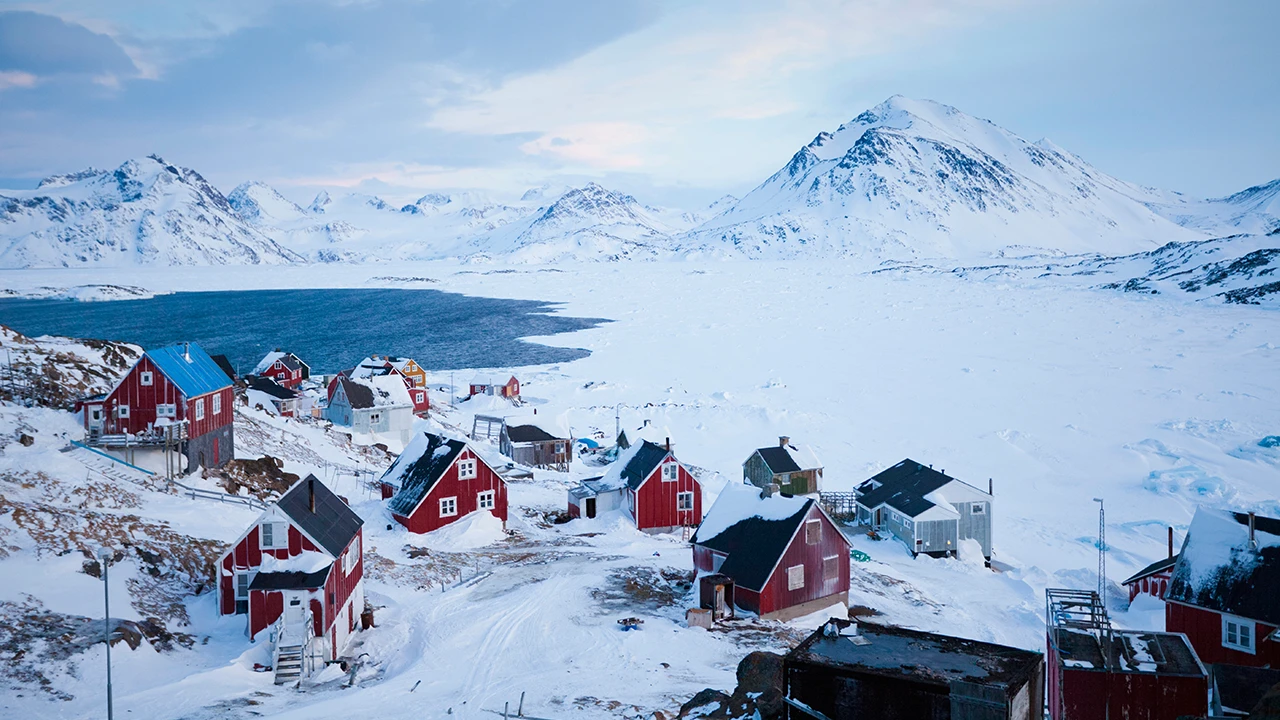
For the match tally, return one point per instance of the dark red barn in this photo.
(1225, 589)
(1098, 672)
(283, 367)
(175, 384)
(784, 554)
(437, 481)
(657, 491)
(299, 568)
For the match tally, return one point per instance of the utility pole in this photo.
(104, 554)
(1102, 551)
(617, 421)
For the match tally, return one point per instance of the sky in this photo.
(675, 102)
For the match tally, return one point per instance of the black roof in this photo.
(778, 460)
(358, 395)
(642, 464)
(1246, 584)
(1165, 653)
(1152, 569)
(419, 468)
(753, 546)
(1240, 688)
(272, 388)
(291, 361)
(225, 364)
(290, 580)
(529, 433)
(920, 657)
(903, 487)
(332, 525)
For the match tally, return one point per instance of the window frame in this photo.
(1245, 632)
(452, 503)
(200, 409)
(486, 500)
(795, 580)
(122, 411)
(675, 471)
(419, 396)
(167, 410)
(375, 417)
(816, 526)
(216, 404)
(276, 545)
(146, 378)
(468, 469)
(834, 561)
(978, 508)
(680, 499)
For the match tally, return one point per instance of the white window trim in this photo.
(680, 497)
(375, 418)
(122, 411)
(486, 500)
(217, 404)
(275, 536)
(248, 580)
(795, 580)
(166, 410)
(419, 396)
(146, 378)
(675, 472)
(978, 509)
(468, 469)
(95, 414)
(452, 503)
(200, 409)
(1251, 646)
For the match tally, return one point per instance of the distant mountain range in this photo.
(907, 181)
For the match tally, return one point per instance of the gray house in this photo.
(378, 406)
(926, 509)
(795, 469)
(537, 446)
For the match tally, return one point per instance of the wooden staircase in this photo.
(288, 664)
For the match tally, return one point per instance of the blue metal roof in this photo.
(190, 368)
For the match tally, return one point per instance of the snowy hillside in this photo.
(913, 179)
(1253, 210)
(145, 212)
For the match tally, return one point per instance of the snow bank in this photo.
(475, 530)
(308, 561)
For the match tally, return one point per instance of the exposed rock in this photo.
(263, 478)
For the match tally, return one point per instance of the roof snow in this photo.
(1218, 569)
(419, 468)
(387, 391)
(266, 362)
(633, 466)
(737, 502)
(308, 561)
(789, 458)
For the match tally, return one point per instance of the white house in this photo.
(379, 406)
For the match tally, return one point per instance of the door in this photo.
(216, 455)
(591, 507)
(879, 518)
(721, 611)
(294, 613)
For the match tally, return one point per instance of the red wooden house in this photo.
(298, 571)
(784, 554)
(437, 481)
(1096, 671)
(175, 384)
(1153, 579)
(649, 484)
(1225, 588)
(510, 389)
(283, 367)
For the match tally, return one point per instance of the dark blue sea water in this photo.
(329, 329)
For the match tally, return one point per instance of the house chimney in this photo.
(1253, 539)
(186, 351)
(311, 491)
(991, 487)
(1170, 542)
(668, 444)
(535, 411)
(784, 440)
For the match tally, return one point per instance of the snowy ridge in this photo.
(914, 179)
(145, 212)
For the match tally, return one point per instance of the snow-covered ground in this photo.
(1058, 393)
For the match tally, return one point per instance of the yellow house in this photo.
(408, 368)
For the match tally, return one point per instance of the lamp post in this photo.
(104, 554)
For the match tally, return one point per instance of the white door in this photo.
(294, 611)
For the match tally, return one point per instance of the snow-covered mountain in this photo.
(1253, 210)
(260, 204)
(145, 212)
(917, 179)
(586, 223)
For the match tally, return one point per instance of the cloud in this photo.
(46, 46)
(16, 79)
(599, 146)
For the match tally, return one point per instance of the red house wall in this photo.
(1204, 629)
(1154, 585)
(418, 407)
(427, 515)
(210, 421)
(656, 501)
(1082, 694)
(775, 595)
(142, 401)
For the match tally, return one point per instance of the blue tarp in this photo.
(190, 368)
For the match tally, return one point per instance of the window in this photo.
(919, 545)
(795, 577)
(419, 397)
(559, 448)
(352, 557)
(831, 568)
(484, 500)
(166, 410)
(95, 414)
(784, 478)
(217, 404)
(122, 411)
(448, 506)
(812, 532)
(978, 508)
(670, 472)
(466, 469)
(275, 535)
(1237, 634)
(684, 501)
(243, 579)
(200, 409)
(145, 378)
(908, 523)
(375, 418)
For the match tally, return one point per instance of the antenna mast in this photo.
(1102, 551)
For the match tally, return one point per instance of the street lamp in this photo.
(104, 554)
